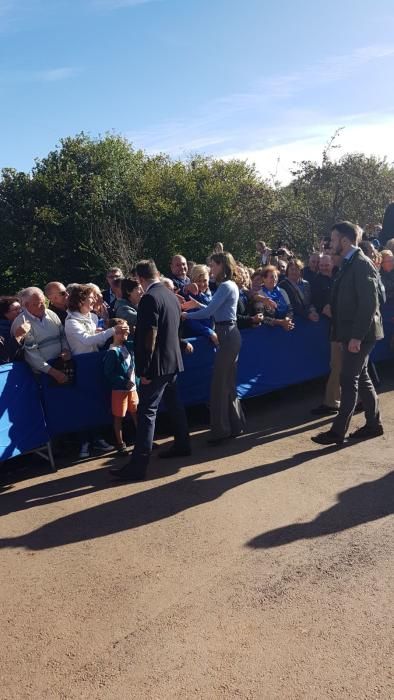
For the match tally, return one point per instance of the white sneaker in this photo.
(84, 452)
(102, 446)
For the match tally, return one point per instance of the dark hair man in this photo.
(357, 325)
(158, 361)
(110, 295)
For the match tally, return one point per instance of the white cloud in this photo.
(117, 4)
(232, 119)
(372, 137)
(52, 75)
(46, 75)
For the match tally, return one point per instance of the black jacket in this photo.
(158, 312)
(321, 291)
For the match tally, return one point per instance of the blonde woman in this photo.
(198, 300)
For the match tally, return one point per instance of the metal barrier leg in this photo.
(50, 457)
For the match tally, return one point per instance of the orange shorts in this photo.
(124, 402)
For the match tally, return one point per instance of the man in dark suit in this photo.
(158, 360)
(357, 325)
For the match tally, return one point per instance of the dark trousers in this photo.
(150, 396)
(356, 382)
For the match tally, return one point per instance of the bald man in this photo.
(57, 295)
(179, 273)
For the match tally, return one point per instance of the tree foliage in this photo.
(92, 203)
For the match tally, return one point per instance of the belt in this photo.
(225, 323)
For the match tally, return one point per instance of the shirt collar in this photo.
(33, 318)
(350, 253)
(151, 285)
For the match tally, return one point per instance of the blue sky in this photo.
(257, 79)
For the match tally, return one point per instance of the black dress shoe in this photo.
(328, 438)
(128, 473)
(219, 441)
(324, 410)
(367, 433)
(175, 452)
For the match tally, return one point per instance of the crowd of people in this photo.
(142, 320)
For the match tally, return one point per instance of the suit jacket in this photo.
(355, 301)
(300, 302)
(321, 291)
(159, 311)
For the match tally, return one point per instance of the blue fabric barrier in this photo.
(22, 424)
(270, 359)
(86, 404)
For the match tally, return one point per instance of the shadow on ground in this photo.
(148, 506)
(360, 504)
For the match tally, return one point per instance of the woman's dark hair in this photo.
(5, 303)
(127, 286)
(78, 296)
(228, 264)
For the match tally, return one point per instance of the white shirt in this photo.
(81, 333)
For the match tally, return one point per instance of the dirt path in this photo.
(259, 570)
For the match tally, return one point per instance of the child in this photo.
(119, 372)
(200, 278)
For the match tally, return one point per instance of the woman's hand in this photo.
(287, 324)
(191, 288)
(268, 303)
(191, 304)
(183, 315)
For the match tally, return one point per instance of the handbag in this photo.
(67, 367)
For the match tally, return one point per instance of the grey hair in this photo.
(167, 283)
(26, 294)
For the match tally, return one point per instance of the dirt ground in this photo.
(262, 569)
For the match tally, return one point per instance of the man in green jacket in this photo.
(357, 325)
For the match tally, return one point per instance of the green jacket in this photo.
(355, 301)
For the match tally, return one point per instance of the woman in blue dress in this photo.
(282, 314)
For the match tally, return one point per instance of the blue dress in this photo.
(193, 327)
(282, 307)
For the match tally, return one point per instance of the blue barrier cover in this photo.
(86, 404)
(22, 424)
(270, 359)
